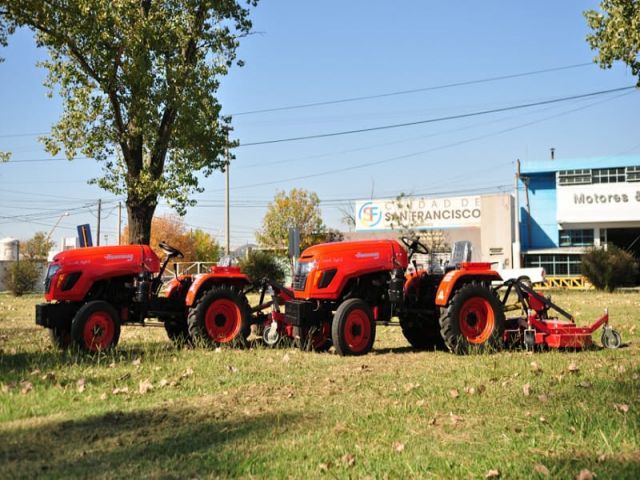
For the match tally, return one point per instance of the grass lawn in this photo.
(151, 410)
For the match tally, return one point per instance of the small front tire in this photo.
(353, 330)
(96, 327)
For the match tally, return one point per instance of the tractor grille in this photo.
(300, 280)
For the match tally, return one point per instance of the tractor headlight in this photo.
(302, 272)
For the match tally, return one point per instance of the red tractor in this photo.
(91, 292)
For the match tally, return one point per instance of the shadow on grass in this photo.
(624, 466)
(14, 365)
(168, 443)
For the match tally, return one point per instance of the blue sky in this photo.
(307, 52)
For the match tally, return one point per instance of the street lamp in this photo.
(65, 214)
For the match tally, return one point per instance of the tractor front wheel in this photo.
(353, 330)
(96, 327)
(473, 320)
(221, 317)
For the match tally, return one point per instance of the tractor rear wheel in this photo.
(96, 327)
(353, 330)
(473, 320)
(422, 331)
(221, 317)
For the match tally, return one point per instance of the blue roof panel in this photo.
(552, 166)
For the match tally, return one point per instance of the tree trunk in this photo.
(140, 216)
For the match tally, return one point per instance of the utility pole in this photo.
(516, 245)
(119, 223)
(98, 229)
(227, 236)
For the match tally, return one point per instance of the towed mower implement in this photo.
(537, 328)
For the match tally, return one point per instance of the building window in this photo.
(555, 265)
(608, 175)
(574, 177)
(576, 238)
(633, 174)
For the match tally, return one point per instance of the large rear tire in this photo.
(422, 331)
(473, 320)
(221, 317)
(353, 330)
(96, 327)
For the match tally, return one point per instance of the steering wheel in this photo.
(172, 252)
(414, 245)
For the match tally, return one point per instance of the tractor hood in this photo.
(131, 257)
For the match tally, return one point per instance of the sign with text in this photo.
(611, 202)
(418, 213)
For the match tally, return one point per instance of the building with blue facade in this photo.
(568, 206)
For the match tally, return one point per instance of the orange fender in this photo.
(468, 272)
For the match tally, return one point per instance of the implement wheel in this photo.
(353, 330)
(221, 317)
(60, 337)
(96, 327)
(473, 320)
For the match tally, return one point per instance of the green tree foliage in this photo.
(610, 268)
(23, 276)
(616, 33)
(37, 247)
(259, 265)
(138, 80)
(296, 209)
(205, 247)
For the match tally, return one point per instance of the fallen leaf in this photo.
(163, 383)
(470, 390)
(103, 396)
(455, 419)
(145, 386)
(602, 458)
(136, 362)
(621, 407)
(286, 358)
(118, 390)
(543, 420)
(348, 460)
(35, 372)
(621, 369)
(493, 473)
(323, 467)
(535, 368)
(526, 389)
(572, 429)
(410, 386)
(585, 475)
(26, 387)
(573, 368)
(432, 421)
(232, 369)
(585, 384)
(541, 469)
(81, 385)
(187, 373)
(481, 389)
(112, 365)
(398, 447)
(420, 403)
(543, 398)
(49, 376)
(453, 393)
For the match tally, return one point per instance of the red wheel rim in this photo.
(476, 320)
(357, 330)
(222, 320)
(98, 331)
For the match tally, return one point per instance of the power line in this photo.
(414, 90)
(437, 119)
